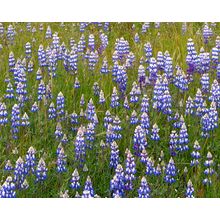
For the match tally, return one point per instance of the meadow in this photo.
(109, 110)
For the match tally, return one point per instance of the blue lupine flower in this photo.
(206, 126)
(91, 42)
(93, 59)
(145, 122)
(148, 51)
(215, 59)
(48, 33)
(139, 139)
(195, 154)
(76, 83)
(189, 106)
(3, 114)
(114, 98)
(144, 190)
(213, 116)
(58, 132)
(90, 135)
(121, 79)
(39, 74)
(130, 170)
(126, 103)
(30, 160)
(155, 133)
(116, 127)
(60, 106)
(19, 172)
(135, 93)
(160, 60)
(52, 111)
(153, 71)
(136, 38)
(30, 66)
(73, 60)
(101, 97)
(96, 89)
(107, 119)
(8, 166)
(215, 93)
(7, 190)
(114, 158)
(90, 111)
(170, 172)
(189, 190)
(15, 121)
(207, 33)
(25, 120)
(173, 143)
(134, 119)
(42, 56)
(61, 161)
(157, 170)
(183, 139)
(150, 170)
(141, 76)
(209, 171)
(34, 107)
(104, 68)
(9, 91)
(75, 180)
(80, 146)
(198, 101)
(74, 121)
(41, 171)
(88, 191)
(41, 90)
(168, 67)
(64, 140)
(144, 157)
(28, 50)
(117, 184)
(145, 27)
(145, 104)
(180, 80)
(10, 34)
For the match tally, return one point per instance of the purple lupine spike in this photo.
(30, 160)
(41, 171)
(117, 184)
(114, 98)
(139, 139)
(7, 190)
(60, 106)
(75, 180)
(190, 190)
(195, 154)
(144, 190)
(183, 139)
(3, 114)
(209, 171)
(61, 161)
(19, 173)
(8, 166)
(173, 143)
(130, 170)
(114, 158)
(88, 191)
(170, 172)
(155, 133)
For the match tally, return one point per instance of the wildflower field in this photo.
(110, 110)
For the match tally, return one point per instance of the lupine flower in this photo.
(141, 76)
(150, 170)
(76, 84)
(60, 105)
(114, 98)
(61, 161)
(135, 93)
(117, 184)
(104, 68)
(101, 97)
(28, 50)
(145, 122)
(114, 158)
(8, 166)
(195, 154)
(139, 139)
(184, 28)
(90, 135)
(88, 191)
(189, 190)
(148, 51)
(41, 171)
(73, 60)
(215, 59)
(3, 114)
(215, 92)
(107, 119)
(173, 144)
(168, 67)
(7, 190)
(136, 38)
(58, 132)
(52, 111)
(180, 80)
(153, 72)
(121, 79)
(30, 160)
(130, 170)
(24, 185)
(160, 60)
(9, 91)
(19, 172)
(133, 118)
(155, 133)
(15, 120)
(183, 139)
(93, 59)
(75, 180)
(74, 121)
(39, 74)
(144, 190)
(80, 145)
(10, 34)
(91, 42)
(90, 112)
(209, 171)
(35, 107)
(206, 126)
(207, 33)
(170, 172)
(189, 106)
